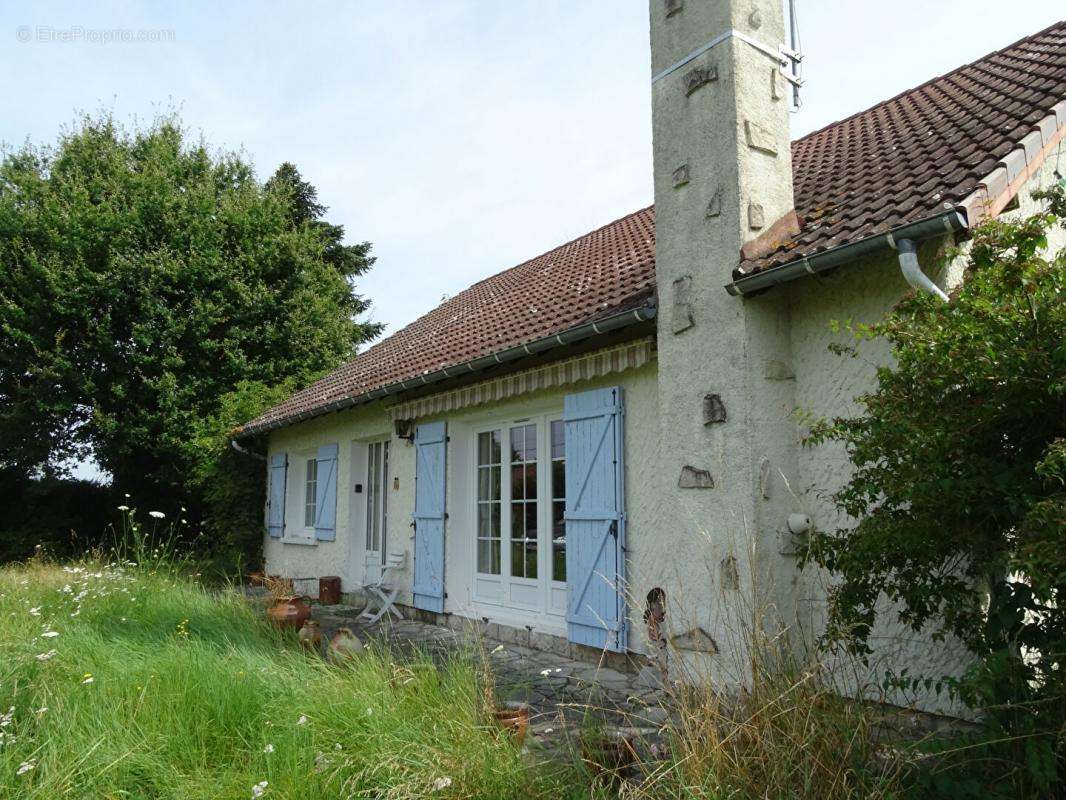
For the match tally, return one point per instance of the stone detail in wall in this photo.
(693, 478)
(759, 138)
(713, 409)
(730, 573)
(671, 7)
(697, 640)
(681, 317)
(755, 19)
(776, 370)
(714, 205)
(756, 216)
(765, 479)
(776, 88)
(701, 76)
(680, 176)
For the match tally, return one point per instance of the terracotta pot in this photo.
(513, 720)
(291, 611)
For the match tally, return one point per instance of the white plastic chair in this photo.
(382, 592)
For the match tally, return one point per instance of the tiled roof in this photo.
(895, 163)
(600, 274)
(921, 152)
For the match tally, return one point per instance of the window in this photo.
(310, 493)
(558, 500)
(489, 463)
(377, 513)
(524, 501)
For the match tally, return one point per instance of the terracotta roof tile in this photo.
(895, 163)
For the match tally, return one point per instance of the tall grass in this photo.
(129, 681)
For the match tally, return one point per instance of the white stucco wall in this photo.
(826, 386)
(345, 555)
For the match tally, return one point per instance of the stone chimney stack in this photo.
(723, 178)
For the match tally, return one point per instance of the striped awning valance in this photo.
(589, 365)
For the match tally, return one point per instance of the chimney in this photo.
(723, 179)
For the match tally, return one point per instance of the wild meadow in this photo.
(123, 680)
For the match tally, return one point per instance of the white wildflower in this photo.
(5, 719)
(369, 711)
(36, 611)
(259, 789)
(497, 649)
(50, 634)
(545, 672)
(42, 711)
(156, 514)
(337, 746)
(302, 720)
(87, 679)
(441, 783)
(268, 749)
(46, 656)
(123, 508)
(26, 766)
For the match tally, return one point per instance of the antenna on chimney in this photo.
(792, 68)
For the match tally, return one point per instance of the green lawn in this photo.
(128, 683)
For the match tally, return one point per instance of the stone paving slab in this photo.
(563, 694)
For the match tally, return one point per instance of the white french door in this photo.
(520, 549)
(377, 507)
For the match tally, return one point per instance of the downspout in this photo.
(245, 451)
(912, 270)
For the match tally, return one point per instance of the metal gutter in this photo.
(947, 222)
(564, 338)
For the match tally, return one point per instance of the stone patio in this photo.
(563, 693)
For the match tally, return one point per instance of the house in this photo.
(612, 422)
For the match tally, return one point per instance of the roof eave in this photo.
(565, 338)
(946, 222)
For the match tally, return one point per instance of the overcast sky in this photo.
(459, 137)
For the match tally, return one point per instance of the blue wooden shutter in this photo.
(595, 519)
(431, 444)
(326, 494)
(279, 463)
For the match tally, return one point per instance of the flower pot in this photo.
(290, 611)
(513, 720)
(257, 578)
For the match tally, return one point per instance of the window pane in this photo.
(557, 438)
(531, 559)
(517, 485)
(531, 442)
(518, 449)
(531, 521)
(559, 480)
(531, 481)
(518, 563)
(484, 555)
(495, 518)
(517, 526)
(559, 562)
(558, 521)
(496, 569)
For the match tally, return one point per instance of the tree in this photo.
(142, 280)
(958, 488)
